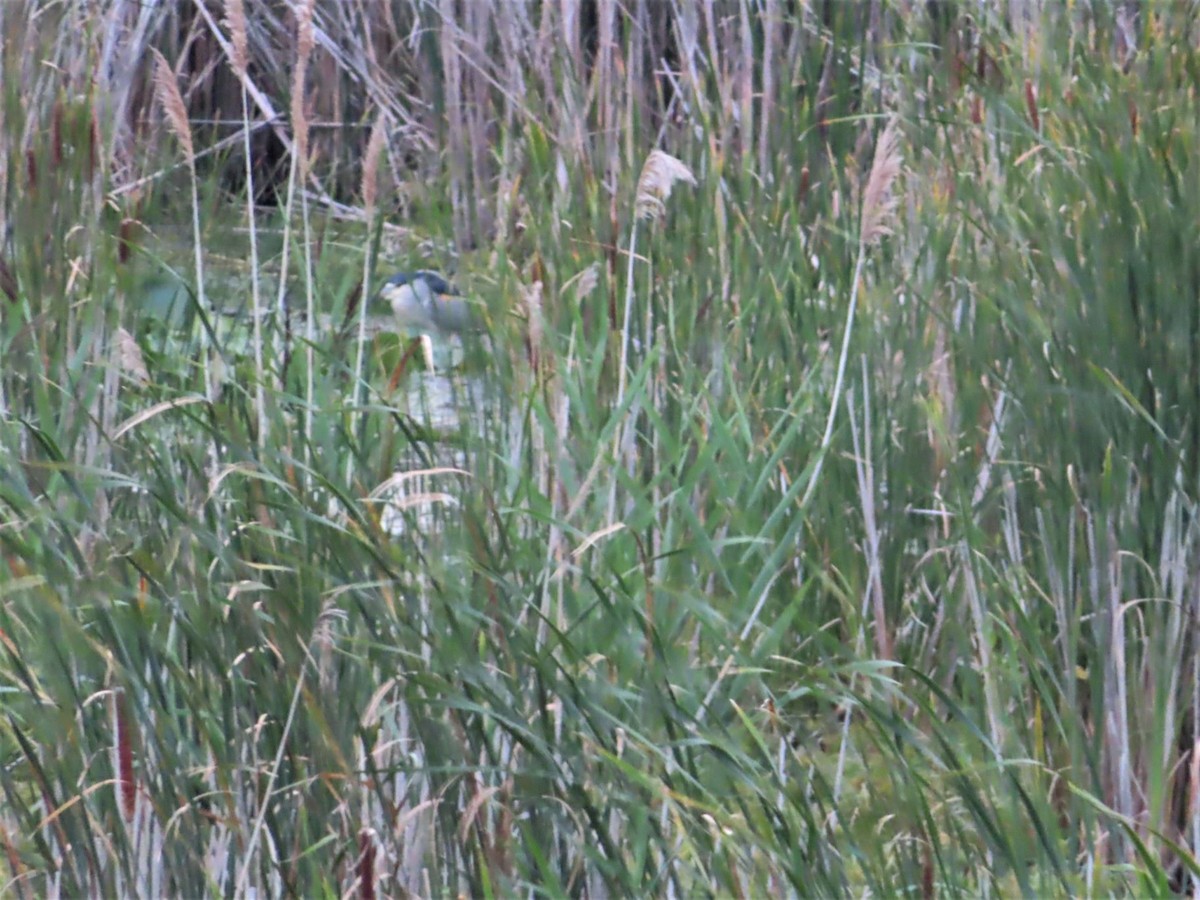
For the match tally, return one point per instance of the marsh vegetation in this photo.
(817, 516)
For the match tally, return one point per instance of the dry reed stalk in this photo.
(299, 171)
(532, 297)
(1192, 809)
(479, 112)
(235, 20)
(370, 194)
(724, 85)
(452, 44)
(878, 209)
(770, 23)
(659, 174)
(173, 106)
(745, 77)
(239, 59)
(865, 473)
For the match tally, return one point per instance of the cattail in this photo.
(124, 240)
(8, 281)
(366, 864)
(1031, 105)
(879, 203)
(658, 177)
(803, 192)
(235, 20)
(93, 155)
(928, 873)
(127, 787)
(1133, 117)
(31, 169)
(172, 104)
(56, 138)
(977, 110)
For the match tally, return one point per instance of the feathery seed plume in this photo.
(879, 203)
(658, 177)
(235, 20)
(129, 357)
(375, 145)
(172, 103)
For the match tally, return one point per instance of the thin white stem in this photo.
(244, 875)
(618, 437)
(260, 403)
(207, 345)
(284, 317)
(823, 450)
(310, 325)
(360, 354)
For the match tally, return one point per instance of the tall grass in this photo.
(834, 535)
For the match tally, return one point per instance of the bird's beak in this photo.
(381, 300)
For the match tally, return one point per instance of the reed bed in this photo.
(819, 520)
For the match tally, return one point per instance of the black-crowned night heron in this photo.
(427, 303)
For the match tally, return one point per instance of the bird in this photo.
(427, 303)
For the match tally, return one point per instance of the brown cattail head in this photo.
(56, 138)
(125, 240)
(370, 185)
(1031, 105)
(127, 787)
(172, 103)
(1133, 116)
(879, 201)
(803, 190)
(93, 143)
(8, 281)
(31, 169)
(366, 864)
(235, 21)
(611, 259)
(658, 177)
